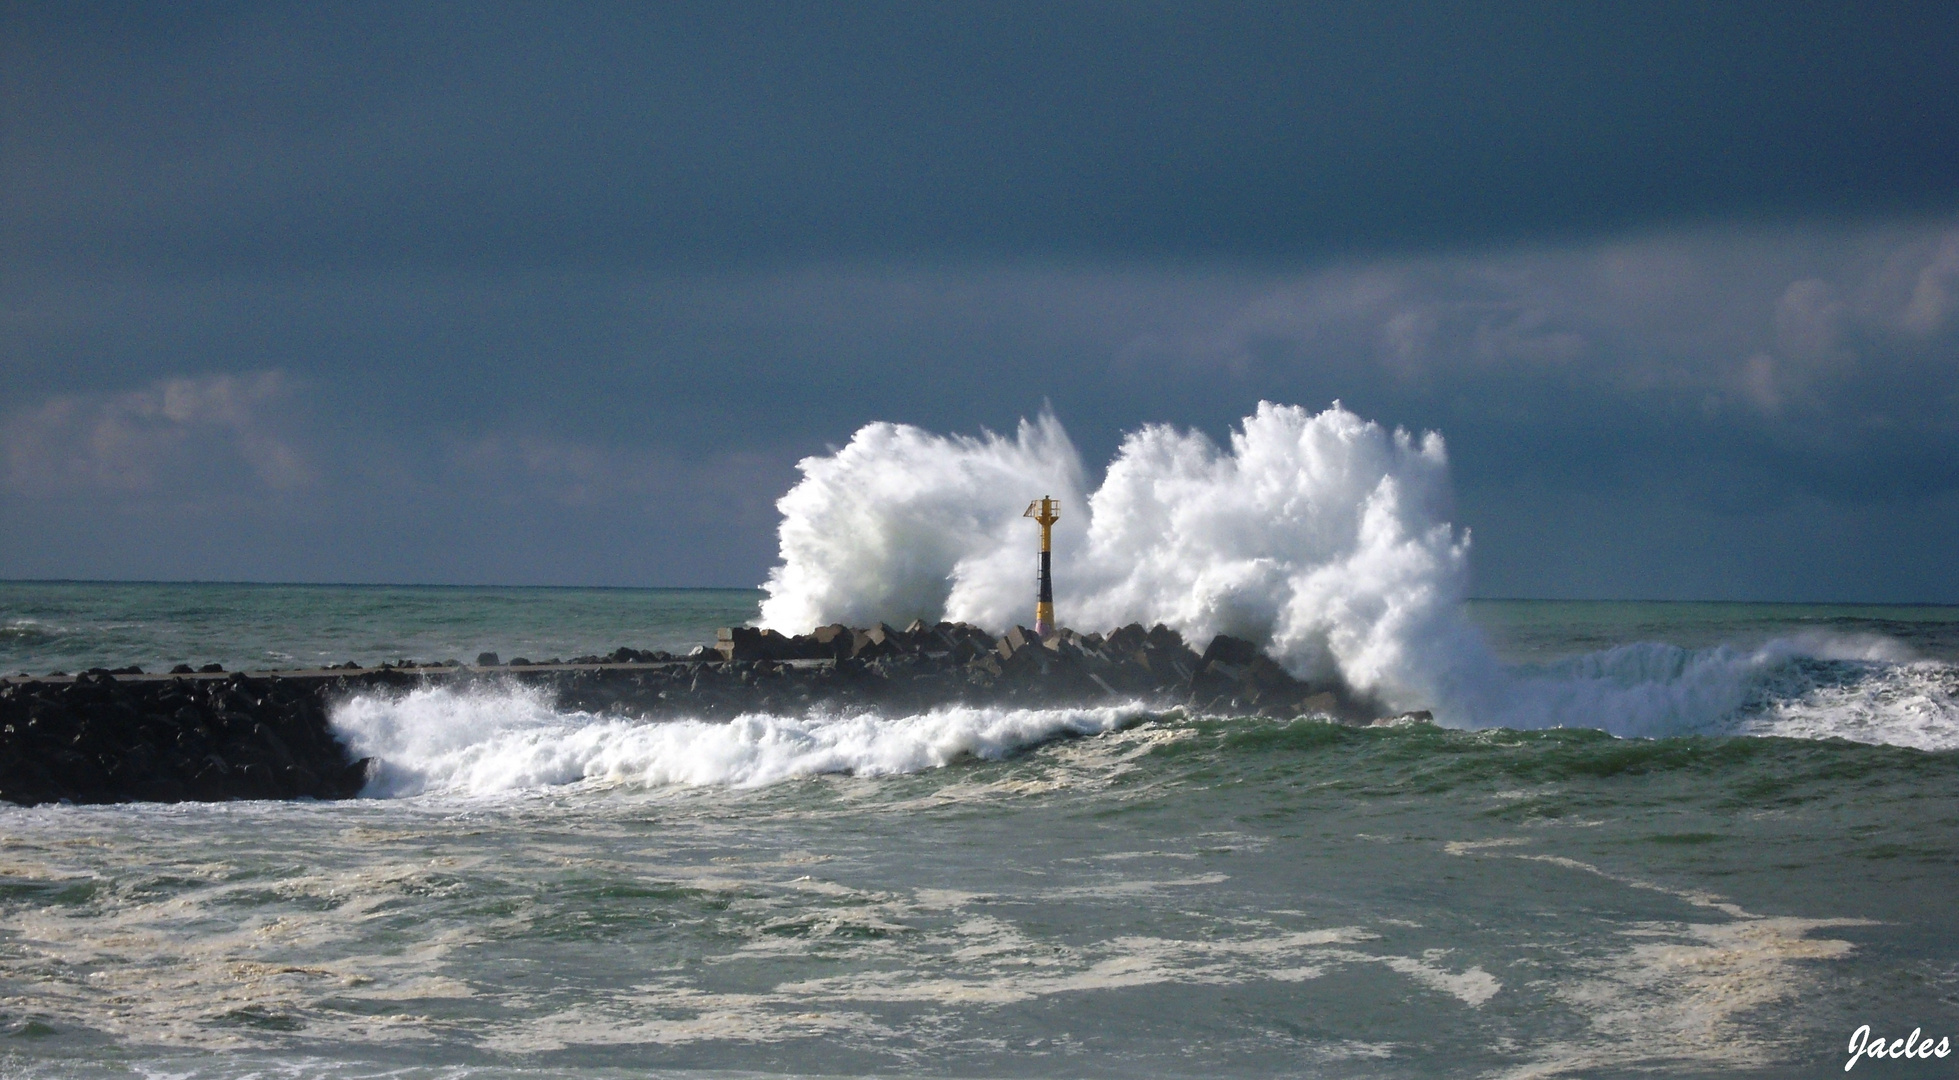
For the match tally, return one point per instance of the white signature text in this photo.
(1863, 1046)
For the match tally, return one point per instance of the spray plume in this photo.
(1323, 537)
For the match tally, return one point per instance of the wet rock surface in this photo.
(108, 738)
(208, 735)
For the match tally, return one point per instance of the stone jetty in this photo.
(122, 735)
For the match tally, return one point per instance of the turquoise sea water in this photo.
(1117, 891)
(78, 625)
(69, 626)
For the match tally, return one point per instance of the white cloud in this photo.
(1770, 320)
(1935, 292)
(139, 440)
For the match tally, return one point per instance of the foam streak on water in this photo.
(1237, 898)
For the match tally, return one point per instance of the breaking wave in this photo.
(489, 740)
(1862, 690)
(1324, 537)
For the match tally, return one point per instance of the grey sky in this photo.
(497, 293)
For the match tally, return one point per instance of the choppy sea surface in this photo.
(1729, 882)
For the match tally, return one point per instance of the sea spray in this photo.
(507, 738)
(1324, 537)
(902, 524)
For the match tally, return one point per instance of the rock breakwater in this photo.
(108, 738)
(119, 736)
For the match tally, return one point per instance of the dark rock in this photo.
(873, 643)
(210, 782)
(1323, 703)
(1013, 641)
(352, 779)
(1225, 649)
(1127, 639)
(488, 659)
(254, 780)
(104, 739)
(160, 789)
(750, 643)
(298, 781)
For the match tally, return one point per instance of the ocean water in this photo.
(73, 626)
(1687, 839)
(1725, 865)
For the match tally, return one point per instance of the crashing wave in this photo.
(487, 740)
(1326, 538)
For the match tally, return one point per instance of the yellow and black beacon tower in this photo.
(1045, 511)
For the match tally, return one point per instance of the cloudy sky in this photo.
(522, 294)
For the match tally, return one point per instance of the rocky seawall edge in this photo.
(210, 735)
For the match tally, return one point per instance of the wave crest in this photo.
(484, 741)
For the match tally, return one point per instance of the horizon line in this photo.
(759, 588)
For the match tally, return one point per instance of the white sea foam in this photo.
(1915, 705)
(508, 739)
(505, 739)
(1324, 537)
(1861, 689)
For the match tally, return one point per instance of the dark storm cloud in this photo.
(390, 135)
(1713, 413)
(527, 294)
